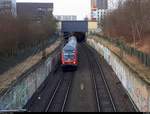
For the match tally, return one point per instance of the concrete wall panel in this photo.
(137, 89)
(18, 94)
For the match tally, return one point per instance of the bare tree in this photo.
(131, 20)
(21, 32)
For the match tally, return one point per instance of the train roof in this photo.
(72, 40)
(72, 43)
(69, 47)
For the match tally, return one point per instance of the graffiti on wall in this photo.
(137, 89)
(17, 96)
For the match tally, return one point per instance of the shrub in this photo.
(19, 32)
(131, 20)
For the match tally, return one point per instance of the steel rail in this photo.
(104, 80)
(107, 87)
(55, 91)
(66, 94)
(94, 82)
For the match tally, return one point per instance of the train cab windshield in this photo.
(68, 55)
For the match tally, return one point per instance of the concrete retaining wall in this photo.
(137, 89)
(23, 89)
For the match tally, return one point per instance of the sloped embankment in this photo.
(134, 77)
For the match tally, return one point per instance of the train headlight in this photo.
(63, 62)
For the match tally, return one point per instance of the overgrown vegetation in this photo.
(20, 32)
(130, 21)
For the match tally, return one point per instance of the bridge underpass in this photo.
(76, 28)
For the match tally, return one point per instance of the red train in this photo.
(69, 55)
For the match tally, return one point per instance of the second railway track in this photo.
(87, 89)
(59, 98)
(104, 98)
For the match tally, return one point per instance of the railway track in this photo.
(59, 98)
(55, 92)
(103, 95)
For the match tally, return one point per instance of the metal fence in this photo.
(9, 58)
(143, 57)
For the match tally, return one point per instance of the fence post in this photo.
(43, 50)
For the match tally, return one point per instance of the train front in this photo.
(69, 55)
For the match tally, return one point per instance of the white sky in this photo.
(80, 8)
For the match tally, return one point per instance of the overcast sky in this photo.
(80, 8)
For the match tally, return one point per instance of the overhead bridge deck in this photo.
(76, 28)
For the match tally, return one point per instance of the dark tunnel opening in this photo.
(66, 35)
(81, 36)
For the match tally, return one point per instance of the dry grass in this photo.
(144, 45)
(132, 61)
(11, 75)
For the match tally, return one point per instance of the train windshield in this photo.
(68, 55)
